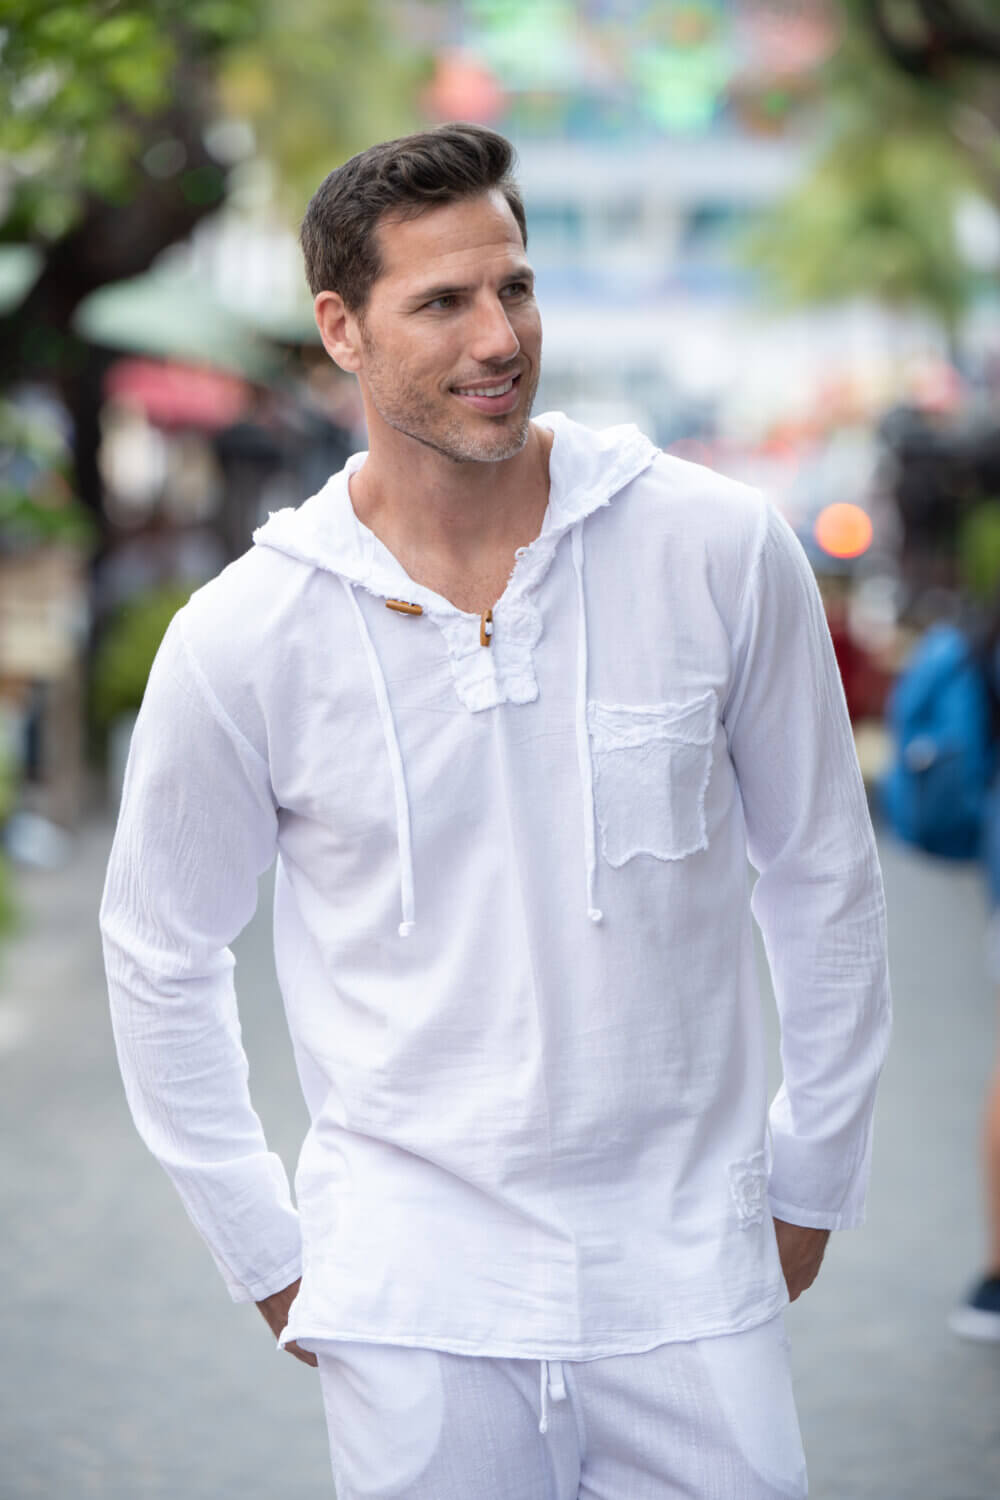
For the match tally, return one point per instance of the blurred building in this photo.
(649, 137)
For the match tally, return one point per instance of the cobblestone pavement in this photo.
(127, 1372)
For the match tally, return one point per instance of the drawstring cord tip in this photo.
(595, 914)
(405, 928)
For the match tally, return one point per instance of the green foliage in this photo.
(77, 82)
(37, 503)
(8, 906)
(322, 80)
(876, 216)
(125, 655)
(86, 84)
(979, 552)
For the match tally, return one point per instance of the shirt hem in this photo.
(639, 1341)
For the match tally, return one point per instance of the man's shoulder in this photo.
(232, 602)
(276, 568)
(244, 582)
(723, 517)
(236, 626)
(702, 492)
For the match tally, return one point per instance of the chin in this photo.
(496, 448)
(488, 444)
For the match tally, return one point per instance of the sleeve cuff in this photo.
(812, 1218)
(256, 1291)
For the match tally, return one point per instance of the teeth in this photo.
(493, 390)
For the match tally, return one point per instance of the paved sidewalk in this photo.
(127, 1373)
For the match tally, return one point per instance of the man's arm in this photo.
(197, 826)
(818, 898)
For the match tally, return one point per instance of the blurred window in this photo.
(710, 226)
(554, 228)
(620, 220)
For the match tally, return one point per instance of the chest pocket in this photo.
(651, 768)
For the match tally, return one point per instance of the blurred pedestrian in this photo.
(510, 701)
(978, 1315)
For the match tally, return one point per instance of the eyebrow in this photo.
(452, 289)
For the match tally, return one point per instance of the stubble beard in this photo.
(410, 411)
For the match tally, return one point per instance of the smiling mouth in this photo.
(496, 400)
(486, 390)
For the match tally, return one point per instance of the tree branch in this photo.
(951, 33)
(958, 33)
(912, 57)
(112, 241)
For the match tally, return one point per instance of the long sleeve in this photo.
(197, 827)
(818, 899)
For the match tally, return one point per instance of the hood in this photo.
(586, 470)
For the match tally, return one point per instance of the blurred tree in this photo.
(104, 109)
(954, 46)
(929, 37)
(111, 147)
(37, 502)
(322, 79)
(911, 107)
(979, 552)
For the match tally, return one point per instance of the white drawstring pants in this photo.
(711, 1419)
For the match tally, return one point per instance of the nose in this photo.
(494, 340)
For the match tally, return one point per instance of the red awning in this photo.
(176, 395)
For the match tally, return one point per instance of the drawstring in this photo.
(552, 1379)
(408, 923)
(582, 738)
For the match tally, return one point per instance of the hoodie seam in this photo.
(747, 591)
(214, 706)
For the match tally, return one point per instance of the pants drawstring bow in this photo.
(552, 1383)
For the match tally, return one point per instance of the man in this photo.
(510, 702)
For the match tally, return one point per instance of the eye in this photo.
(517, 289)
(444, 303)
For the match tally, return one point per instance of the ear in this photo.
(339, 330)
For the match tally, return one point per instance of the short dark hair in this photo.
(404, 178)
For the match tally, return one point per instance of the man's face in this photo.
(451, 338)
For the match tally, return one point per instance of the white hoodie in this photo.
(511, 924)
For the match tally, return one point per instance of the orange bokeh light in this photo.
(843, 530)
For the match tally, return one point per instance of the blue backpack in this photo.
(936, 791)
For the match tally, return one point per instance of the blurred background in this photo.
(768, 232)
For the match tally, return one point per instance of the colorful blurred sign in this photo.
(463, 88)
(629, 66)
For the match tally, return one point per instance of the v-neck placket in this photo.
(484, 675)
(504, 670)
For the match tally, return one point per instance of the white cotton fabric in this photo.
(713, 1418)
(511, 919)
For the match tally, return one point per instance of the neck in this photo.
(430, 510)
